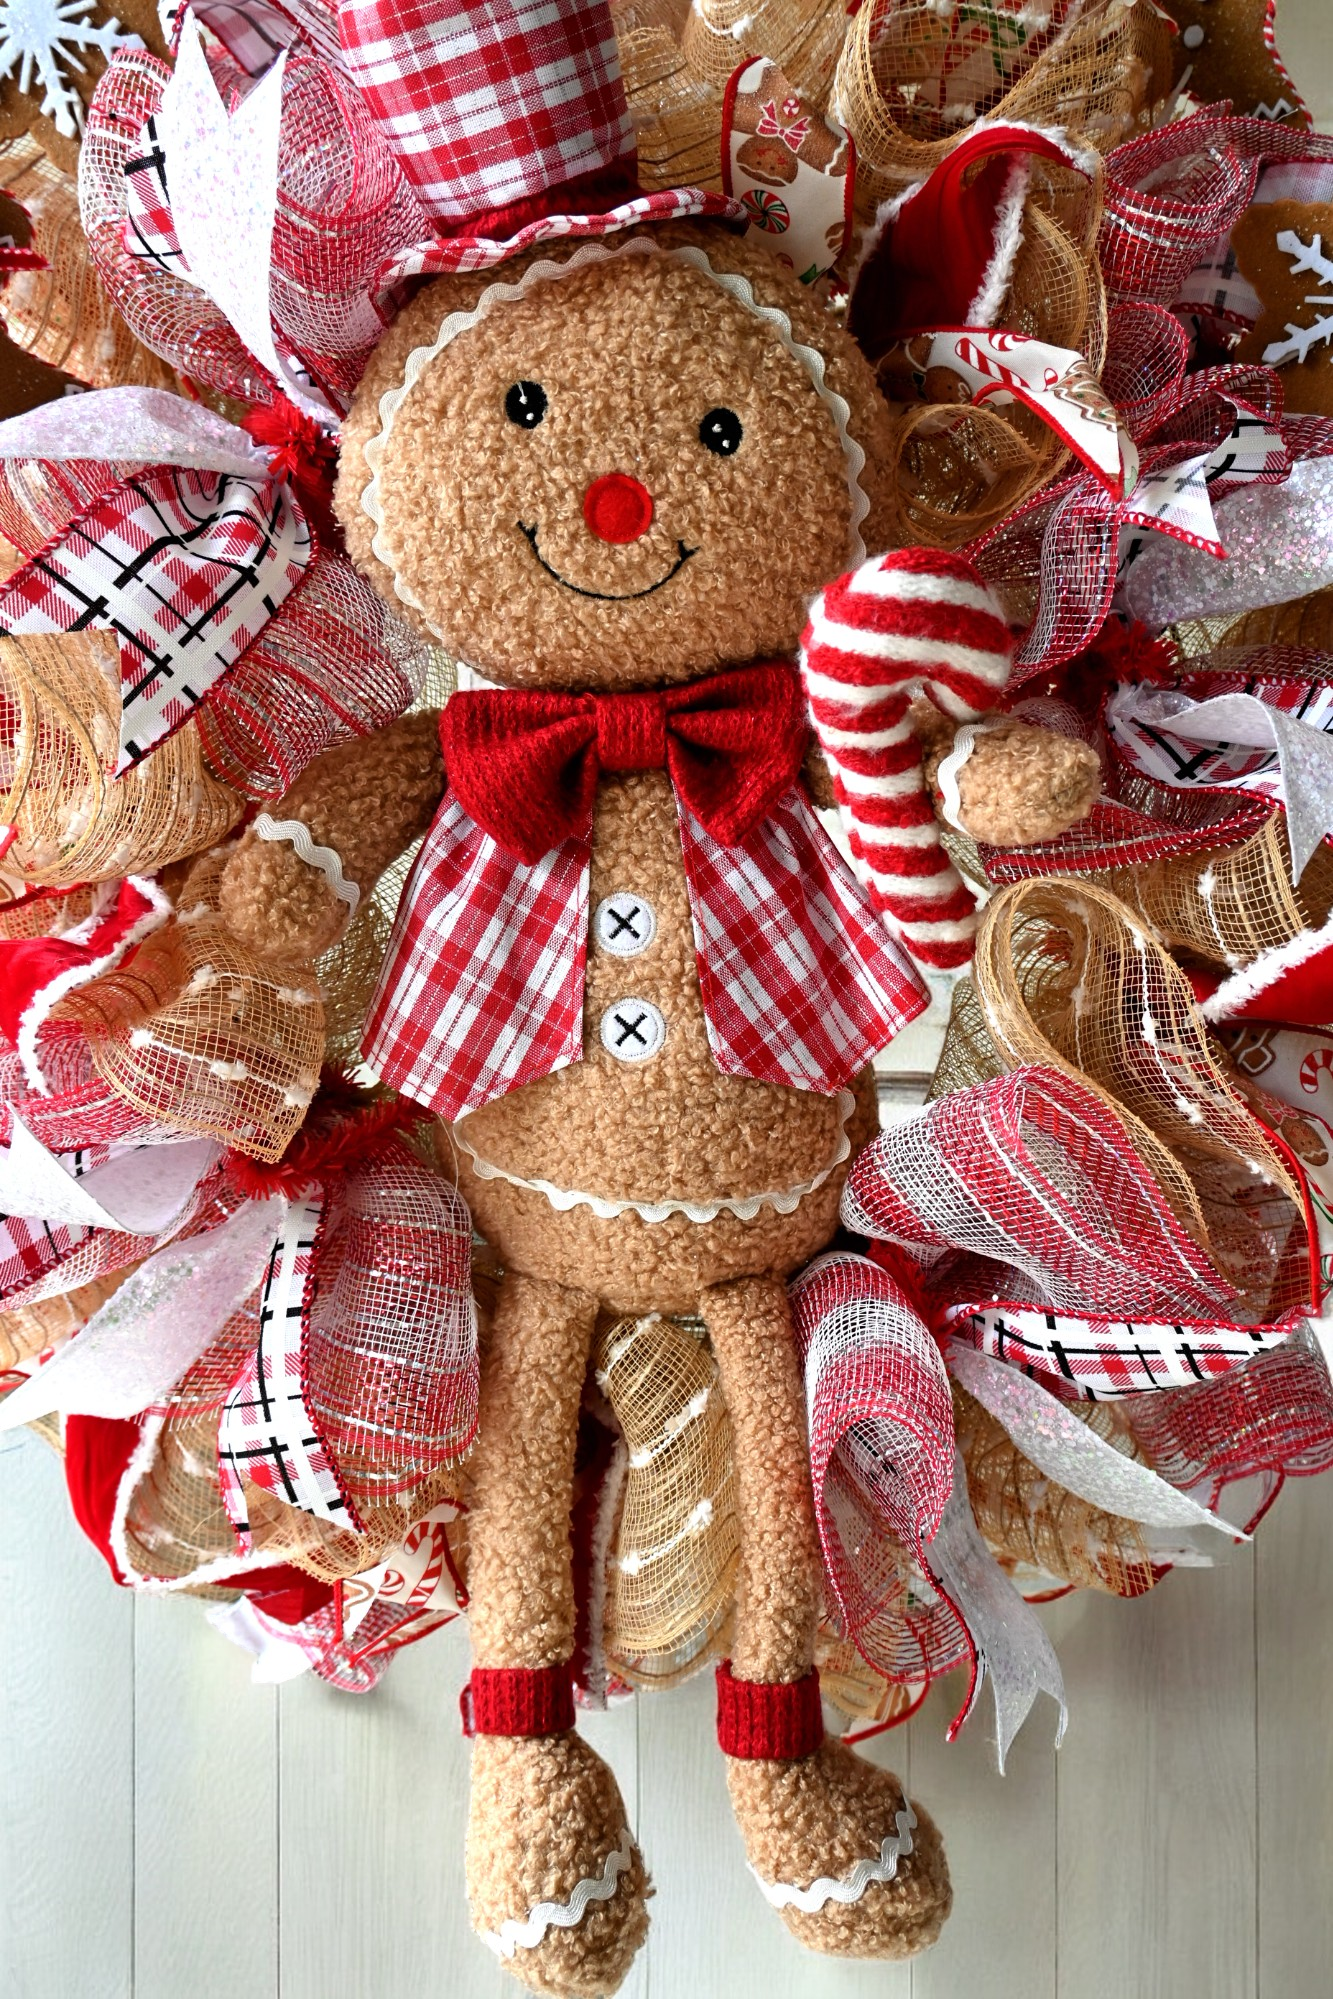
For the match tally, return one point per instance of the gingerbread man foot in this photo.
(851, 1866)
(556, 1883)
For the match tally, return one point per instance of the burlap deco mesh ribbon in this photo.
(676, 60)
(332, 1554)
(1066, 976)
(62, 314)
(198, 1032)
(74, 822)
(1306, 621)
(1026, 1518)
(45, 915)
(175, 1521)
(848, 1684)
(914, 73)
(40, 498)
(671, 1568)
(29, 1330)
(1229, 906)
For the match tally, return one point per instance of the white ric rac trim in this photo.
(512, 1936)
(946, 777)
(746, 1207)
(848, 1887)
(591, 253)
(297, 835)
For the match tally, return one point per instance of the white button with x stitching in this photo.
(632, 1030)
(624, 924)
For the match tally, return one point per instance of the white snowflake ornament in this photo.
(40, 41)
(1300, 339)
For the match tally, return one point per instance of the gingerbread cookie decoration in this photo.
(1285, 250)
(1226, 48)
(792, 171)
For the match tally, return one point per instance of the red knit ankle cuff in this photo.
(519, 1700)
(755, 1719)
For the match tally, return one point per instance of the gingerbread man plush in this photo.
(608, 458)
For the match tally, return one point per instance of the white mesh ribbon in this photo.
(132, 425)
(1010, 1643)
(1053, 1438)
(135, 1349)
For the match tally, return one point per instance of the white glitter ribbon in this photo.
(1064, 1449)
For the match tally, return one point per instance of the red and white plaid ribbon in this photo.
(483, 983)
(186, 568)
(267, 1434)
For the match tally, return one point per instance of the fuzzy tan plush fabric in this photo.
(819, 1816)
(631, 354)
(533, 1363)
(368, 801)
(545, 1813)
(1020, 784)
(777, 1591)
(492, 536)
(673, 1128)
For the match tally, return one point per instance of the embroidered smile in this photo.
(607, 596)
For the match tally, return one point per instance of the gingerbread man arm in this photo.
(367, 801)
(1020, 784)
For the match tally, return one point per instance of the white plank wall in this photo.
(168, 1831)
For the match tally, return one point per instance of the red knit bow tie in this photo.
(525, 766)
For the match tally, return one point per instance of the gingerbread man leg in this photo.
(830, 1837)
(555, 1880)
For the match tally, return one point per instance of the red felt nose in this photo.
(618, 508)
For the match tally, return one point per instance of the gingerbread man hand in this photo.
(301, 870)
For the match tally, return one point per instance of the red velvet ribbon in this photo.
(756, 1719)
(525, 766)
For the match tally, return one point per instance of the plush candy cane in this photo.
(917, 620)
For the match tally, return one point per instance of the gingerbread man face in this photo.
(628, 469)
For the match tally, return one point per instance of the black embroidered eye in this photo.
(721, 432)
(526, 404)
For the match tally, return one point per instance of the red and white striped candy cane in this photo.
(917, 620)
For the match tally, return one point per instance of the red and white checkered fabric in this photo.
(186, 568)
(913, 621)
(483, 983)
(492, 102)
(478, 253)
(150, 231)
(267, 1434)
(801, 982)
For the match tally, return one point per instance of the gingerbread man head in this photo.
(622, 465)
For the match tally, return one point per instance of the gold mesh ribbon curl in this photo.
(74, 820)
